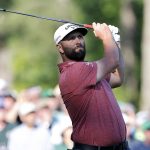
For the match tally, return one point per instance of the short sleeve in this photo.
(77, 77)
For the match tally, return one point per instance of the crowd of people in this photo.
(138, 127)
(33, 119)
(37, 120)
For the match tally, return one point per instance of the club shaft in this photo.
(45, 18)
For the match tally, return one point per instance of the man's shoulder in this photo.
(10, 126)
(79, 68)
(17, 129)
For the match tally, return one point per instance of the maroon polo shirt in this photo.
(95, 114)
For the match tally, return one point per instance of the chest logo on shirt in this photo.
(89, 64)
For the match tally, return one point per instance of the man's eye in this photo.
(80, 36)
(72, 38)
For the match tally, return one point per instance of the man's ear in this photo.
(60, 49)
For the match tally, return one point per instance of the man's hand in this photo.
(102, 31)
(115, 32)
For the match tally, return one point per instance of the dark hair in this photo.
(10, 96)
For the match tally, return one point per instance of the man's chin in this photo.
(79, 58)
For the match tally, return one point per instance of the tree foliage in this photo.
(30, 40)
(98, 11)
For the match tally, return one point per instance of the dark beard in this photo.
(73, 55)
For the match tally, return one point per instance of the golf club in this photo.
(45, 18)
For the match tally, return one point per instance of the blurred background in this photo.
(28, 56)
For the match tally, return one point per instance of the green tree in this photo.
(30, 40)
(98, 11)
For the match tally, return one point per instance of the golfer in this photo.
(86, 88)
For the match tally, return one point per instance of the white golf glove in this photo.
(115, 33)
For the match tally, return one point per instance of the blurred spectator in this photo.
(33, 94)
(9, 103)
(128, 109)
(144, 145)
(28, 136)
(3, 86)
(63, 122)
(141, 117)
(5, 127)
(131, 129)
(45, 114)
(67, 143)
(53, 115)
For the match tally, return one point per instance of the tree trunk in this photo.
(5, 65)
(145, 76)
(128, 29)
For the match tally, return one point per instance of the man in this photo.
(5, 127)
(145, 144)
(66, 139)
(86, 88)
(29, 136)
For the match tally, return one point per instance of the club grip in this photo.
(88, 26)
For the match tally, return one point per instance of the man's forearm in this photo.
(111, 53)
(121, 66)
